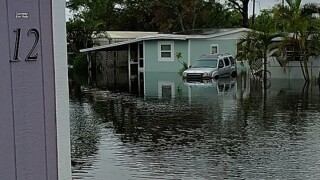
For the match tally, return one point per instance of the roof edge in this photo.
(219, 34)
(110, 45)
(145, 38)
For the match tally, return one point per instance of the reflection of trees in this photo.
(172, 133)
(76, 80)
(293, 107)
(294, 101)
(296, 106)
(159, 123)
(85, 132)
(252, 103)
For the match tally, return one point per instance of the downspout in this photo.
(189, 64)
(129, 66)
(144, 68)
(89, 61)
(253, 14)
(189, 53)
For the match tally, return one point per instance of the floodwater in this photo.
(230, 129)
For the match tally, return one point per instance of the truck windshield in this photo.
(201, 63)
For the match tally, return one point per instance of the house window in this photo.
(165, 50)
(214, 48)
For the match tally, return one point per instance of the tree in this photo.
(242, 6)
(155, 15)
(267, 17)
(79, 33)
(304, 29)
(216, 15)
(90, 16)
(137, 15)
(103, 12)
(183, 13)
(260, 44)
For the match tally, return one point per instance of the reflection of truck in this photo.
(224, 87)
(220, 86)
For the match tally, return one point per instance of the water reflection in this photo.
(197, 130)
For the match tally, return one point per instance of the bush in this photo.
(80, 63)
(184, 64)
(184, 67)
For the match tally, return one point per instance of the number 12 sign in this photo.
(31, 56)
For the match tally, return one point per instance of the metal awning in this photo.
(96, 48)
(146, 38)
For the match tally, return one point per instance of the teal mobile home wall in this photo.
(197, 48)
(203, 46)
(151, 56)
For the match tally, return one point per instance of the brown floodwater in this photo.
(230, 129)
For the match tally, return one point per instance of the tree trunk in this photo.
(265, 72)
(245, 18)
(181, 22)
(179, 14)
(303, 73)
(306, 70)
(194, 20)
(195, 14)
(265, 67)
(302, 45)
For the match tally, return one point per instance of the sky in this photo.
(260, 4)
(268, 4)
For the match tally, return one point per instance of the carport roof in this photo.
(145, 38)
(96, 48)
(127, 34)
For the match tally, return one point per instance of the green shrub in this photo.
(80, 63)
(184, 67)
(184, 64)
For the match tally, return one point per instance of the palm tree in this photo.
(260, 45)
(303, 28)
(257, 46)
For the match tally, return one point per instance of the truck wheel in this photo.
(233, 74)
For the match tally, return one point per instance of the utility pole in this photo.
(283, 22)
(253, 13)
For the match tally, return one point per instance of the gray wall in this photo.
(293, 69)
(28, 123)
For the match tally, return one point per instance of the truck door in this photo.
(221, 67)
(227, 67)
